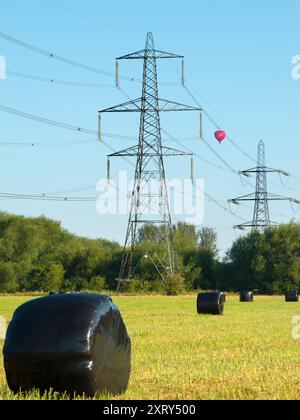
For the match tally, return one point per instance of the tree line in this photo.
(36, 254)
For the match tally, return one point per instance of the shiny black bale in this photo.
(211, 303)
(246, 296)
(292, 296)
(74, 343)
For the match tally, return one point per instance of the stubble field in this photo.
(248, 353)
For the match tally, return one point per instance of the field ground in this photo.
(248, 353)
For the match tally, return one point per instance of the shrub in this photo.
(175, 285)
(97, 284)
(137, 286)
(53, 278)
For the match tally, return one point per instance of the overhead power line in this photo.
(56, 81)
(74, 12)
(215, 124)
(42, 197)
(56, 124)
(46, 144)
(227, 165)
(69, 61)
(237, 146)
(54, 56)
(78, 129)
(212, 120)
(50, 198)
(45, 120)
(60, 124)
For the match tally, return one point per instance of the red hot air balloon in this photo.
(220, 136)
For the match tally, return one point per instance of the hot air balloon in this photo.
(220, 135)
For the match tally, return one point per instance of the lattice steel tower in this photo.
(261, 214)
(261, 197)
(149, 167)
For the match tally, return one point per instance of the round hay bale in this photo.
(211, 303)
(224, 295)
(292, 296)
(246, 296)
(76, 343)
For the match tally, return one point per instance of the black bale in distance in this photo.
(246, 296)
(292, 296)
(211, 303)
(224, 295)
(74, 343)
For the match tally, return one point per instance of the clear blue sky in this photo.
(238, 57)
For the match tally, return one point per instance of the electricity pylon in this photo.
(261, 197)
(149, 167)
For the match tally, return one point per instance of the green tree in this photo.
(97, 284)
(53, 278)
(8, 280)
(269, 262)
(207, 240)
(245, 263)
(281, 256)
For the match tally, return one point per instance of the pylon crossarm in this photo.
(274, 197)
(130, 151)
(269, 196)
(248, 197)
(130, 106)
(149, 54)
(133, 56)
(266, 170)
(242, 227)
(164, 54)
(246, 225)
(174, 152)
(277, 171)
(134, 151)
(164, 105)
(167, 106)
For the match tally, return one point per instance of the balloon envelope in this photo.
(220, 135)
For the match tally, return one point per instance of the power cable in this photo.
(56, 81)
(69, 61)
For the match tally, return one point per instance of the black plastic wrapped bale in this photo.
(224, 295)
(76, 343)
(211, 303)
(246, 296)
(292, 296)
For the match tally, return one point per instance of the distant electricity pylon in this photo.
(261, 197)
(144, 226)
